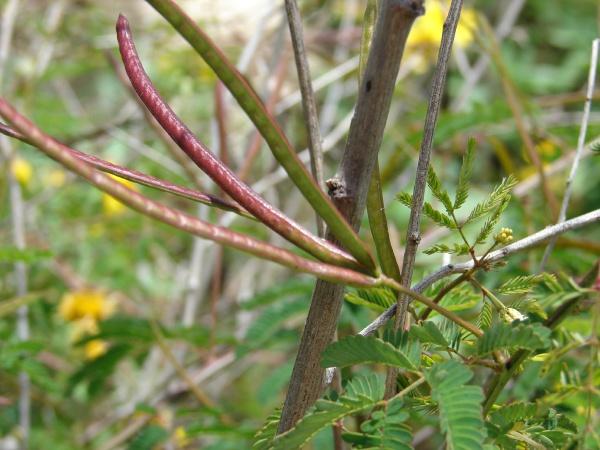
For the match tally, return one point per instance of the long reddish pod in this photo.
(225, 178)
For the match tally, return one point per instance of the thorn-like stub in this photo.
(336, 188)
(413, 8)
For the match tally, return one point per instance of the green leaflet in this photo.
(506, 336)
(370, 349)
(496, 198)
(505, 416)
(268, 128)
(385, 430)
(437, 216)
(378, 299)
(462, 190)
(459, 405)
(362, 393)
(428, 333)
(265, 435)
(438, 190)
(491, 222)
(484, 320)
(522, 284)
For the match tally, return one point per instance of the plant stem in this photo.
(174, 217)
(349, 192)
(413, 236)
(17, 210)
(379, 228)
(213, 167)
(141, 178)
(309, 105)
(519, 246)
(268, 127)
(580, 145)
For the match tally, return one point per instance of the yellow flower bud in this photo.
(504, 236)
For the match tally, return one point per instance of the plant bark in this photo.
(348, 190)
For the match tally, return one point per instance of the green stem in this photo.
(269, 129)
(385, 281)
(379, 228)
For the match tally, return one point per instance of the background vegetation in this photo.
(115, 300)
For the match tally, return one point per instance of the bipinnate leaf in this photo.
(491, 222)
(462, 190)
(510, 336)
(362, 394)
(459, 405)
(522, 284)
(496, 198)
(359, 349)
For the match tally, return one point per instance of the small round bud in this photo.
(504, 236)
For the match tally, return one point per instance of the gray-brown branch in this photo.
(348, 190)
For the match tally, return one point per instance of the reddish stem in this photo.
(138, 177)
(174, 217)
(221, 174)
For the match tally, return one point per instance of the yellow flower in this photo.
(21, 170)
(426, 33)
(56, 178)
(180, 437)
(427, 30)
(110, 205)
(95, 348)
(85, 303)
